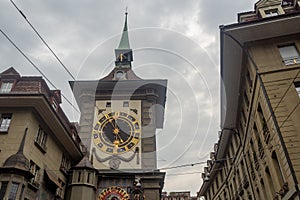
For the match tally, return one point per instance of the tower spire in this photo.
(124, 42)
(123, 52)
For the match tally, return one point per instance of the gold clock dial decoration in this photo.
(113, 193)
(116, 133)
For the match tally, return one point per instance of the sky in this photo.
(171, 39)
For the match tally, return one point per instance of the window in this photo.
(3, 186)
(35, 170)
(270, 182)
(13, 191)
(5, 122)
(249, 79)
(271, 12)
(74, 136)
(277, 167)
(65, 164)
(22, 191)
(6, 86)
(119, 75)
(41, 139)
(246, 99)
(289, 54)
(125, 104)
(54, 105)
(287, 3)
(79, 177)
(265, 129)
(297, 86)
(108, 104)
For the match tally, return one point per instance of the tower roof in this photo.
(124, 42)
(85, 163)
(10, 73)
(123, 53)
(18, 162)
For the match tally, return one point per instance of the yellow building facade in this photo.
(38, 144)
(257, 155)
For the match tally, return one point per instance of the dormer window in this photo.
(54, 105)
(271, 12)
(6, 86)
(287, 3)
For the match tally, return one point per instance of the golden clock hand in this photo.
(120, 138)
(112, 123)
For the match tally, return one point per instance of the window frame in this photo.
(41, 139)
(287, 3)
(5, 122)
(6, 86)
(289, 60)
(3, 189)
(13, 193)
(271, 12)
(36, 171)
(297, 88)
(65, 164)
(108, 104)
(125, 104)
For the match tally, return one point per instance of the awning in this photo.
(53, 177)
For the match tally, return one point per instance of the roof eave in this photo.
(233, 37)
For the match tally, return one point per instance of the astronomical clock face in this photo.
(113, 193)
(116, 133)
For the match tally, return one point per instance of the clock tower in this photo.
(119, 117)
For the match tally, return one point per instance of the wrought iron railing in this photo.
(292, 60)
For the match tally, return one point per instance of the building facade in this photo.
(119, 117)
(38, 144)
(257, 155)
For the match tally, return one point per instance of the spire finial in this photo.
(21, 148)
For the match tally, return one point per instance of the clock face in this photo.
(113, 193)
(116, 133)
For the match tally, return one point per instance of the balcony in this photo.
(34, 184)
(292, 60)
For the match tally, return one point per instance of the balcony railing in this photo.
(292, 60)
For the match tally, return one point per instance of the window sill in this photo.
(3, 131)
(41, 148)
